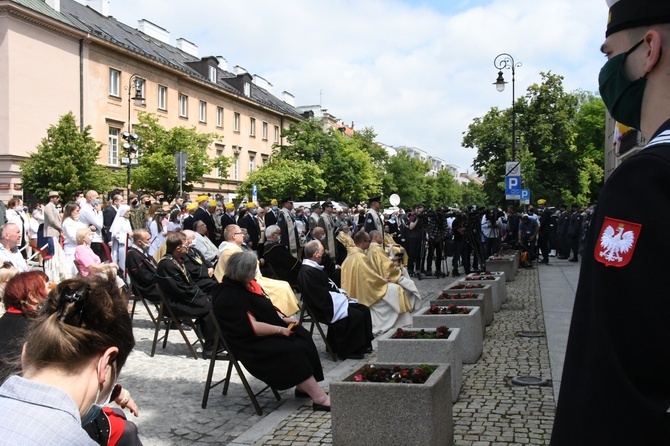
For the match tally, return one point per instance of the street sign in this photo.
(254, 193)
(512, 169)
(513, 187)
(525, 196)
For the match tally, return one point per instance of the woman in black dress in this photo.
(259, 335)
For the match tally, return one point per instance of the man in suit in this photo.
(141, 267)
(52, 222)
(272, 213)
(108, 216)
(289, 232)
(250, 223)
(202, 214)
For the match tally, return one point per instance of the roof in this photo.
(117, 33)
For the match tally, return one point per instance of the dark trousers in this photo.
(100, 251)
(574, 247)
(543, 245)
(491, 246)
(434, 247)
(414, 254)
(462, 253)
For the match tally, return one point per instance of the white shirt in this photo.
(92, 217)
(340, 299)
(14, 257)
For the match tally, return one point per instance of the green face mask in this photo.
(622, 97)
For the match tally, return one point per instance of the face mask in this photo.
(622, 97)
(254, 212)
(274, 208)
(96, 202)
(279, 239)
(247, 239)
(322, 238)
(231, 213)
(95, 409)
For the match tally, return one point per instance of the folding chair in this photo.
(147, 304)
(221, 352)
(167, 316)
(306, 315)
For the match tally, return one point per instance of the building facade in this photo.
(58, 56)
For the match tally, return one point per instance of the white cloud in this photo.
(417, 75)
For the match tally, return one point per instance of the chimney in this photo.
(352, 125)
(261, 82)
(187, 47)
(101, 6)
(238, 70)
(289, 98)
(54, 4)
(153, 30)
(223, 63)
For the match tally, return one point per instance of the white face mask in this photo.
(231, 213)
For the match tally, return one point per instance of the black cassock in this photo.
(284, 265)
(349, 335)
(142, 270)
(181, 292)
(197, 267)
(280, 361)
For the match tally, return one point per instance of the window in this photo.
(162, 97)
(113, 146)
(183, 106)
(114, 82)
(252, 126)
(219, 116)
(202, 116)
(265, 131)
(252, 163)
(247, 89)
(219, 172)
(264, 159)
(236, 122)
(212, 74)
(236, 167)
(276, 133)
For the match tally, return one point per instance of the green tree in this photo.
(66, 161)
(590, 143)
(442, 190)
(283, 178)
(345, 162)
(158, 146)
(406, 177)
(473, 193)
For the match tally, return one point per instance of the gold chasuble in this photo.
(345, 239)
(362, 283)
(381, 264)
(280, 293)
(396, 248)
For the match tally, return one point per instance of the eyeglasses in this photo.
(238, 233)
(116, 391)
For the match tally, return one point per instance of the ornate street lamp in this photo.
(505, 61)
(136, 85)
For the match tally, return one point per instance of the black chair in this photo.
(307, 316)
(147, 304)
(221, 352)
(166, 316)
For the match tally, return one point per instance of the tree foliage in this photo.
(284, 178)
(406, 177)
(65, 161)
(560, 139)
(158, 146)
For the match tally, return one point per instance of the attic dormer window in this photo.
(212, 74)
(247, 89)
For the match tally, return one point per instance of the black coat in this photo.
(285, 266)
(142, 270)
(250, 223)
(615, 388)
(204, 216)
(280, 361)
(350, 335)
(180, 290)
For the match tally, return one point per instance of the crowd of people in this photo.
(245, 263)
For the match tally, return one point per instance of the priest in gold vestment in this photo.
(383, 265)
(388, 302)
(280, 292)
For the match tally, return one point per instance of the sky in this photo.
(416, 71)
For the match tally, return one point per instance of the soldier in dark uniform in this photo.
(373, 220)
(615, 388)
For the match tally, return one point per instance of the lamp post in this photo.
(136, 84)
(505, 61)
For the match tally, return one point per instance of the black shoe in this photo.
(350, 356)
(573, 260)
(455, 273)
(428, 273)
(207, 353)
(320, 407)
(562, 257)
(301, 394)
(368, 350)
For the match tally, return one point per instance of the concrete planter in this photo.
(425, 351)
(490, 294)
(517, 257)
(392, 413)
(502, 263)
(496, 280)
(480, 300)
(472, 336)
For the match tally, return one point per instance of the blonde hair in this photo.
(82, 234)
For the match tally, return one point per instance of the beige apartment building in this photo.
(58, 56)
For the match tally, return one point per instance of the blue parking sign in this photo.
(513, 187)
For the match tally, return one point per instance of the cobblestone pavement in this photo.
(169, 387)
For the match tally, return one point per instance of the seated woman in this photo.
(24, 295)
(88, 262)
(72, 357)
(260, 336)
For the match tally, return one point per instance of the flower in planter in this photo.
(395, 374)
(439, 333)
(449, 309)
(480, 277)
